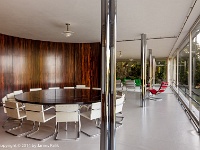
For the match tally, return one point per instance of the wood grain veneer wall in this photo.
(26, 64)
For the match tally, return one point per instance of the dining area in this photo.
(57, 113)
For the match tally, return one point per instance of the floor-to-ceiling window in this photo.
(196, 63)
(187, 72)
(183, 65)
(132, 70)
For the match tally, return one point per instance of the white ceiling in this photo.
(45, 20)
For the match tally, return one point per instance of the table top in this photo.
(60, 96)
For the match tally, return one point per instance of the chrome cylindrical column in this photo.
(150, 68)
(112, 84)
(108, 25)
(104, 76)
(143, 69)
(154, 70)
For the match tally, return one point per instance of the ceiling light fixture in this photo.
(67, 33)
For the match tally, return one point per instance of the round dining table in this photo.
(60, 96)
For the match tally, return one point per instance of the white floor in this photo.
(161, 125)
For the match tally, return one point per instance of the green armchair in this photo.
(137, 82)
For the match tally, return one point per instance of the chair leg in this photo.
(9, 119)
(90, 135)
(40, 139)
(119, 122)
(97, 123)
(155, 98)
(18, 127)
(57, 132)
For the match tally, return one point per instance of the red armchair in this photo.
(154, 92)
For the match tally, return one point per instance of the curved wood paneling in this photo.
(29, 64)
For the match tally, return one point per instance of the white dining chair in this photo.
(93, 114)
(37, 113)
(119, 106)
(14, 111)
(10, 97)
(67, 113)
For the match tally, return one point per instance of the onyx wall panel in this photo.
(26, 64)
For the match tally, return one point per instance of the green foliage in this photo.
(128, 70)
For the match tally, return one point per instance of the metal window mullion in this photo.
(190, 73)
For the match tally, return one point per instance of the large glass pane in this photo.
(196, 65)
(183, 69)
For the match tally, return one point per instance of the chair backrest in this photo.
(118, 84)
(4, 99)
(80, 86)
(130, 82)
(12, 109)
(95, 111)
(53, 88)
(94, 88)
(69, 87)
(35, 89)
(67, 113)
(120, 103)
(18, 92)
(137, 82)
(120, 94)
(35, 112)
(163, 87)
(10, 96)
